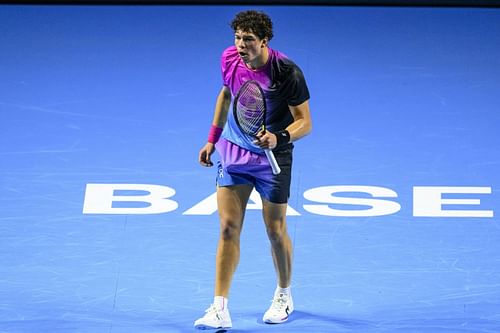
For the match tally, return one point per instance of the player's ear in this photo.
(264, 42)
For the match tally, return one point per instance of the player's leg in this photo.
(281, 249)
(281, 245)
(275, 190)
(231, 201)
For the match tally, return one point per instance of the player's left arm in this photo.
(302, 123)
(300, 127)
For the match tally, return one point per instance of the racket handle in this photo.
(272, 161)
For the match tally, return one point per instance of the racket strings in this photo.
(250, 109)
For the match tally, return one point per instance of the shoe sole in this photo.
(219, 329)
(276, 322)
(269, 321)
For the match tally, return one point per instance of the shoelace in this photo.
(278, 303)
(213, 309)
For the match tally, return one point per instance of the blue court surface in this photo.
(108, 223)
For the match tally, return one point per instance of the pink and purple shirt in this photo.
(283, 84)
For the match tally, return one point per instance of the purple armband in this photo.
(214, 134)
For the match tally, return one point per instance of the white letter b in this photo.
(99, 199)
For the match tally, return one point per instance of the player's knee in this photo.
(276, 235)
(229, 230)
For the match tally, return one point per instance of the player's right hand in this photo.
(205, 153)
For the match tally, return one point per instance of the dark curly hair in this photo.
(258, 23)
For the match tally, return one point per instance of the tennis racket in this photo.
(249, 110)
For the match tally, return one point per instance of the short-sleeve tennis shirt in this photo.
(283, 84)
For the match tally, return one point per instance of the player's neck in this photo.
(260, 61)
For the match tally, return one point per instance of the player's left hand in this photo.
(266, 140)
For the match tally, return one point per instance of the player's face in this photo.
(252, 49)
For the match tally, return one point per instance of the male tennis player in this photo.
(244, 166)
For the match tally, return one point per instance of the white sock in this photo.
(286, 291)
(220, 302)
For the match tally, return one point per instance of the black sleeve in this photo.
(296, 87)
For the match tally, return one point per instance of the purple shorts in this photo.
(239, 166)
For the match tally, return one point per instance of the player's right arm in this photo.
(220, 116)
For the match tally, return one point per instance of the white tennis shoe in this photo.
(214, 318)
(280, 310)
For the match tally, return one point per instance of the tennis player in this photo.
(243, 165)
